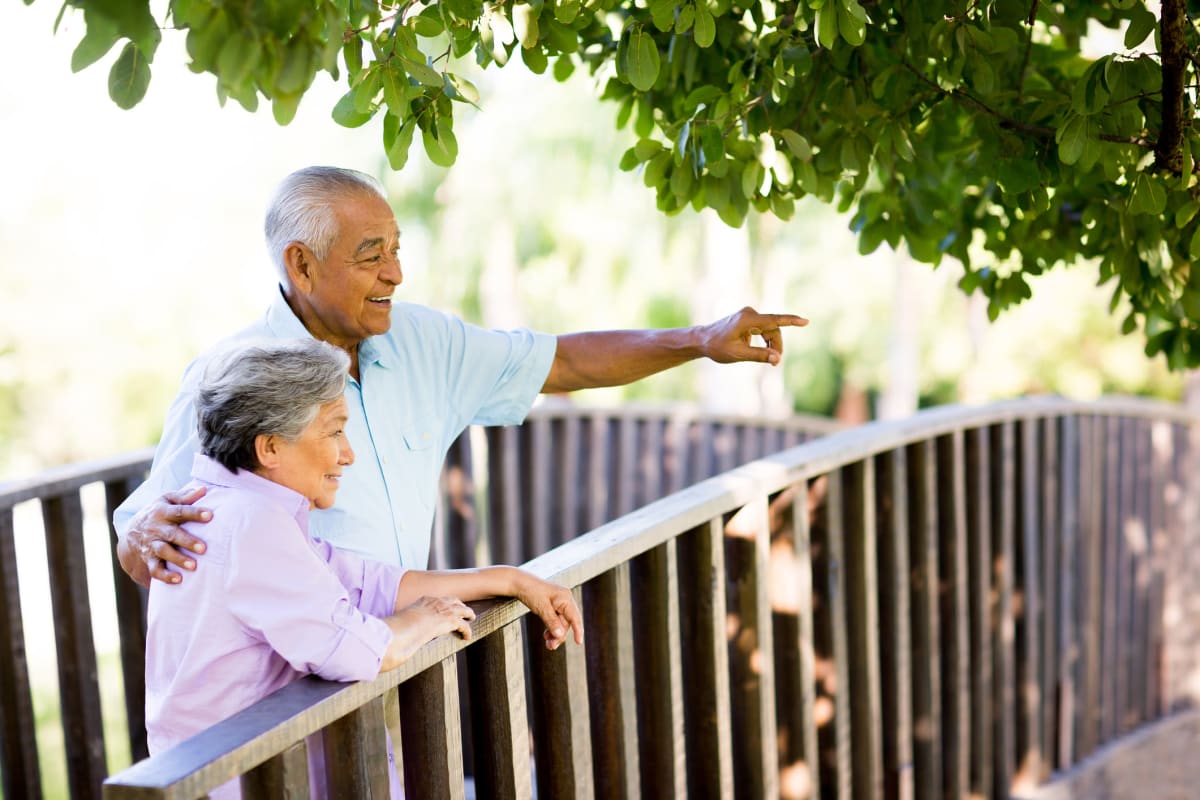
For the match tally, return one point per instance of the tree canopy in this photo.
(1011, 135)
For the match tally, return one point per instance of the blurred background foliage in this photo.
(130, 241)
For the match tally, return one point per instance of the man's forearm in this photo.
(614, 358)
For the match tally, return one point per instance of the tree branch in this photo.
(964, 98)
(1173, 30)
(1033, 7)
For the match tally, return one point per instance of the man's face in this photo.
(350, 292)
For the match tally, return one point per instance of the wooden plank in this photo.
(675, 455)
(1160, 436)
(979, 545)
(131, 623)
(282, 777)
(500, 723)
(1003, 476)
(1090, 613)
(1051, 537)
(650, 461)
(536, 483)
(862, 614)
(568, 460)
(356, 751)
(625, 463)
(460, 529)
(18, 742)
(612, 691)
(1068, 647)
(751, 653)
(1111, 533)
(1031, 764)
(504, 495)
(559, 710)
(1125, 575)
(597, 471)
(955, 614)
(895, 637)
(704, 661)
(926, 652)
(655, 599)
(1141, 652)
(725, 444)
(430, 732)
(79, 691)
(792, 633)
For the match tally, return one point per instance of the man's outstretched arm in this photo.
(613, 358)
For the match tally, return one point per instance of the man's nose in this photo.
(392, 272)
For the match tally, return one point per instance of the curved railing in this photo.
(566, 470)
(962, 602)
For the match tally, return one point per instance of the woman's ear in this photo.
(266, 449)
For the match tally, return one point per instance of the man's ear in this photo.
(298, 260)
(266, 449)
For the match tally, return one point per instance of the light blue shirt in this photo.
(419, 386)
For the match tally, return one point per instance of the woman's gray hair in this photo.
(302, 209)
(267, 387)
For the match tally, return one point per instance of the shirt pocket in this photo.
(423, 462)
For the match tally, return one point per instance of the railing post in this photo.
(284, 776)
(561, 725)
(895, 627)
(83, 727)
(926, 635)
(830, 639)
(18, 742)
(496, 672)
(612, 690)
(356, 762)
(955, 614)
(705, 662)
(1031, 766)
(131, 619)
(431, 730)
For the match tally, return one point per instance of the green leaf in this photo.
(566, 10)
(424, 73)
(294, 72)
(1194, 245)
(662, 13)
(395, 87)
(1147, 196)
(238, 59)
(646, 149)
(132, 18)
(428, 23)
(706, 27)
(797, 144)
(467, 91)
(1185, 213)
(284, 106)
(852, 29)
(352, 55)
(441, 148)
(525, 24)
(346, 115)
(535, 59)
(399, 142)
(643, 62)
(129, 77)
(100, 37)
(1070, 138)
(827, 24)
(1141, 24)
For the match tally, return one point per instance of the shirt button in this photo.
(425, 435)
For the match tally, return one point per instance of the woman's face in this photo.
(312, 464)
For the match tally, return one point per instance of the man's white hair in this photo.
(302, 210)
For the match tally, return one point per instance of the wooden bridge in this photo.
(960, 604)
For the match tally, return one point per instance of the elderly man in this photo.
(417, 377)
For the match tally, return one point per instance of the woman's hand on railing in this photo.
(422, 622)
(553, 604)
(155, 538)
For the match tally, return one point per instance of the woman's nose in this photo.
(346, 454)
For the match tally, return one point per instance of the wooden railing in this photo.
(566, 470)
(958, 603)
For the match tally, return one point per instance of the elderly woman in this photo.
(272, 603)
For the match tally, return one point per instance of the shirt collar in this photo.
(284, 323)
(214, 473)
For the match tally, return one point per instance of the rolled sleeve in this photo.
(372, 585)
(501, 373)
(282, 591)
